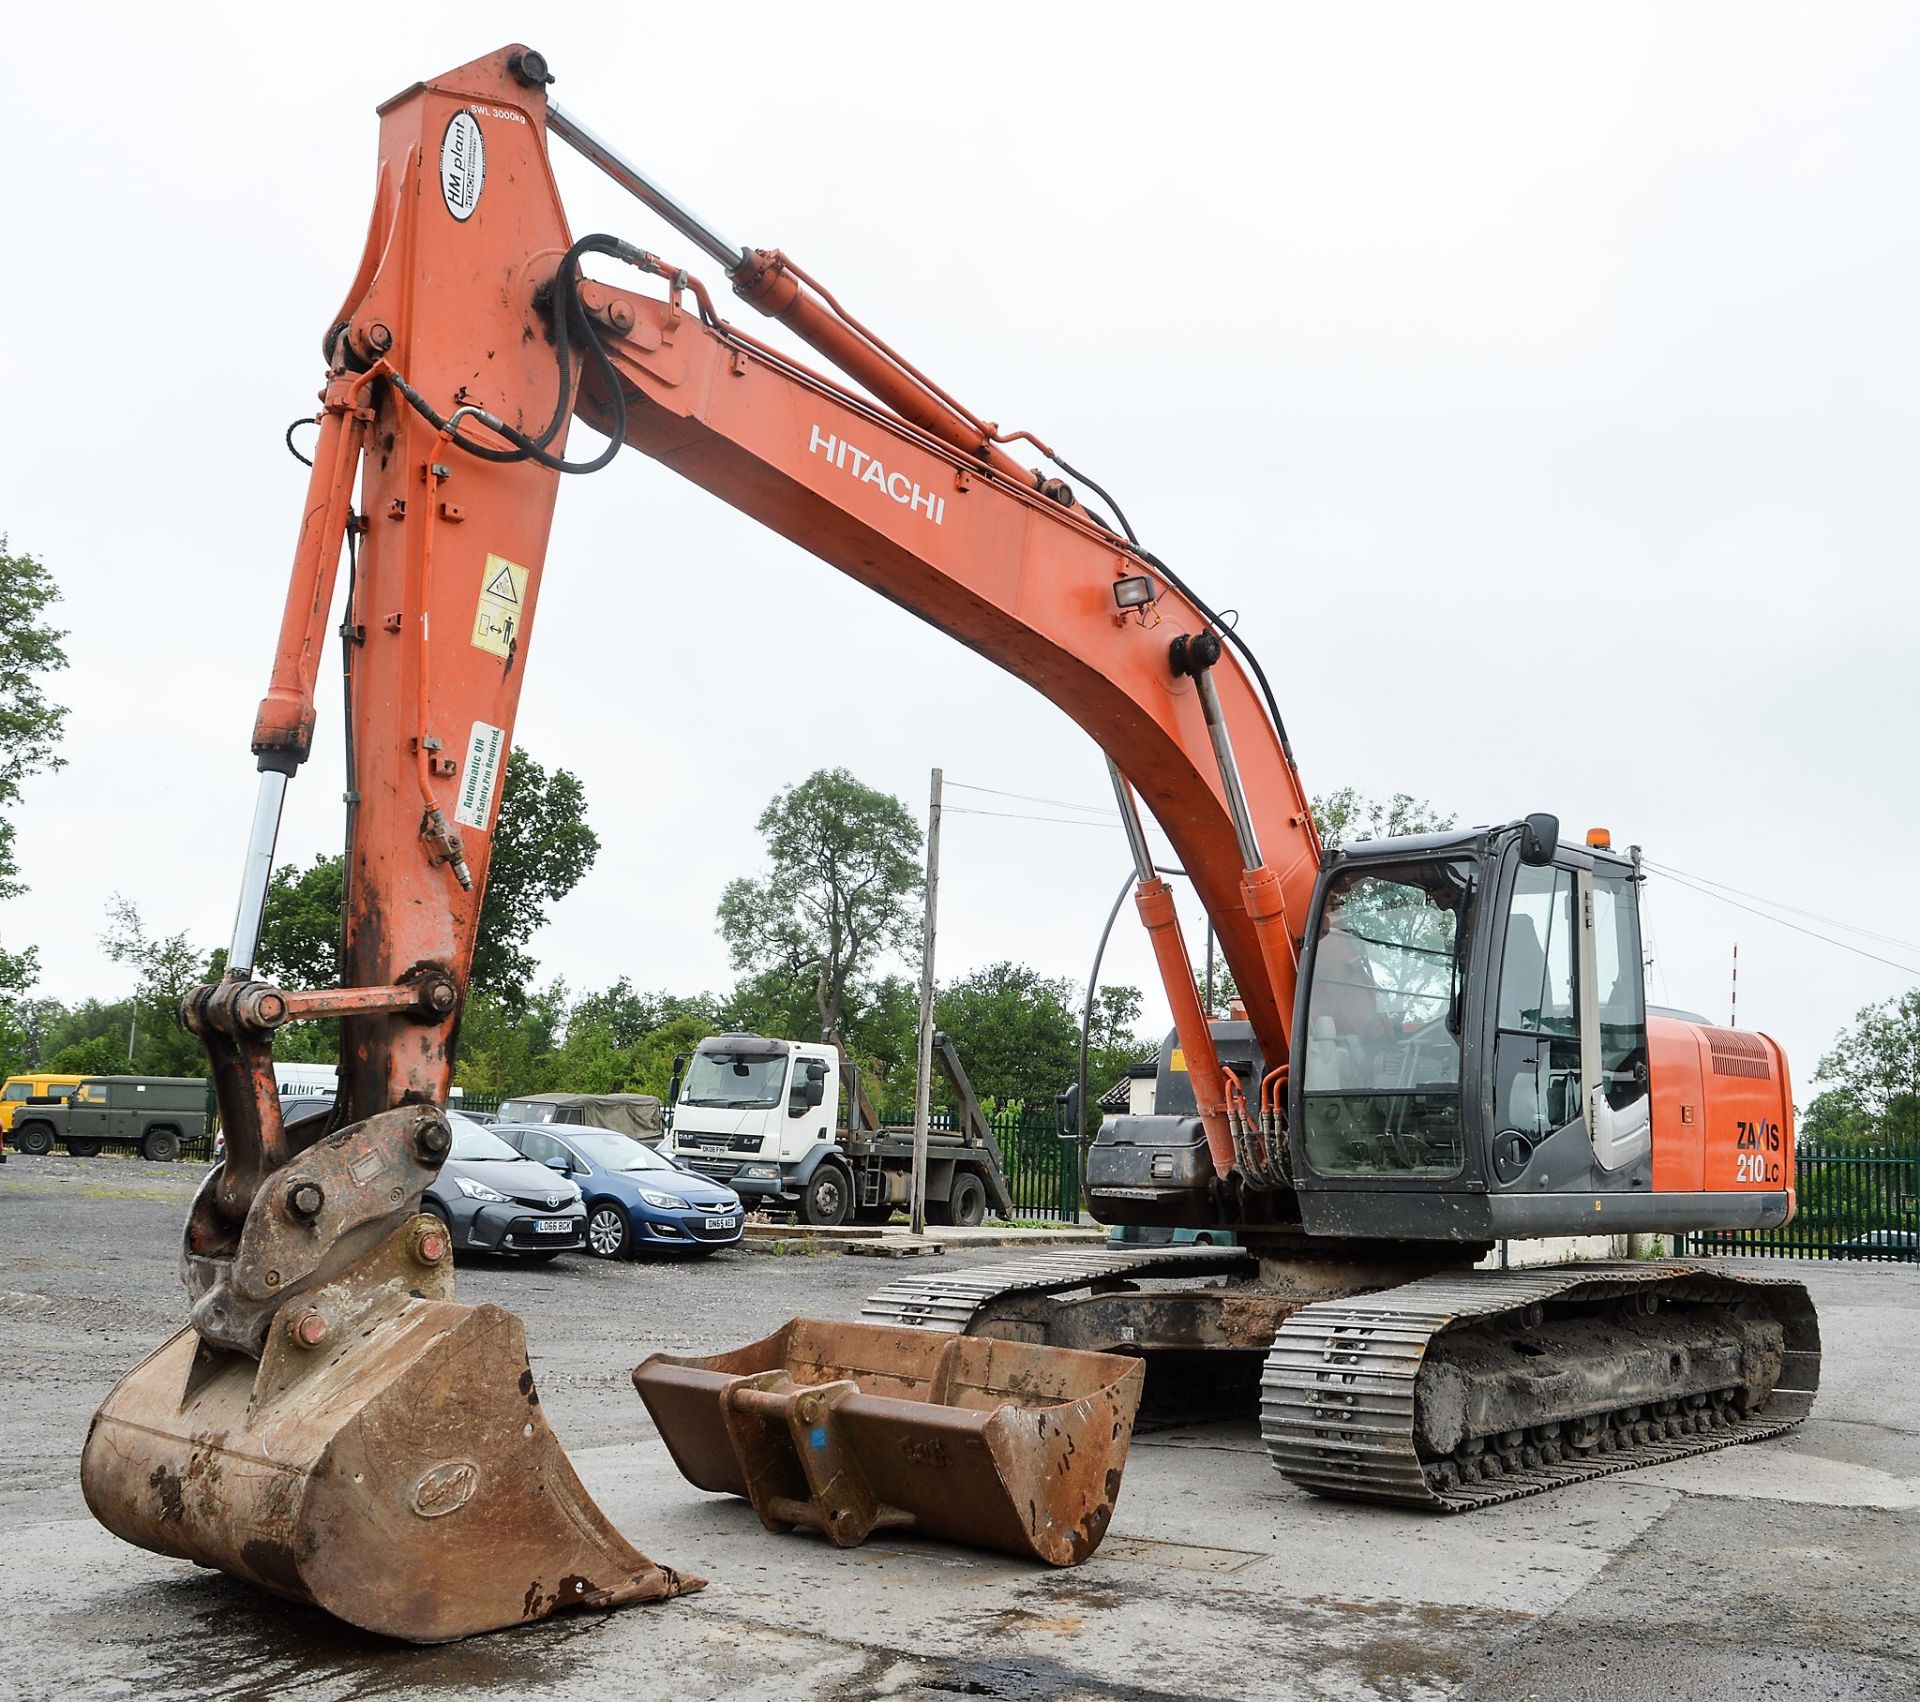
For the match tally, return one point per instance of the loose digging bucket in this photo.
(386, 1459)
(851, 1428)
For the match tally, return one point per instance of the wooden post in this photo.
(923, 1079)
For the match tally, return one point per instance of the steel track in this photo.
(1337, 1397)
(949, 1301)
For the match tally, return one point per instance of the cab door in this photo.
(87, 1110)
(1570, 1080)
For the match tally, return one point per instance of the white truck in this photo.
(763, 1116)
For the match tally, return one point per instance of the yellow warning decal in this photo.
(503, 595)
(1177, 1060)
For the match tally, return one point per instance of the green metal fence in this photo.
(1043, 1171)
(1863, 1203)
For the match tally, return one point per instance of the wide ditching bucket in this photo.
(386, 1459)
(851, 1428)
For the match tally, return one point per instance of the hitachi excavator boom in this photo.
(333, 1425)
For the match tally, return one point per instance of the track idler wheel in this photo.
(386, 1459)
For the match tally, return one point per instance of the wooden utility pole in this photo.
(923, 1077)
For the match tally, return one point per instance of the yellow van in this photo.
(19, 1089)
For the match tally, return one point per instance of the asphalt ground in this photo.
(1789, 1569)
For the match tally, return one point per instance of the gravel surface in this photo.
(1786, 1569)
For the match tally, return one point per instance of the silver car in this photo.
(493, 1200)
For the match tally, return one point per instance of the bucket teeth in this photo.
(851, 1428)
(399, 1474)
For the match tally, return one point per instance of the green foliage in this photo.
(508, 1047)
(30, 726)
(1874, 1072)
(1347, 815)
(842, 889)
(165, 970)
(542, 848)
(1835, 1122)
(30, 729)
(1017, 1032)
(102, 1055)
(300, 931)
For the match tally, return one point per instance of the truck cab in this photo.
(759, 1115)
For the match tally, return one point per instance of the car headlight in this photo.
(479, 1191)
(664, 1202)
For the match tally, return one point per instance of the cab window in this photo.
(1381, 1070)
(1537, 1052)
(1620, 978)
(18, 1090)
(542, 1149)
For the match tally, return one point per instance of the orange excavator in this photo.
(1445, 1042)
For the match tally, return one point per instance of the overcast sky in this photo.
(1538, 382)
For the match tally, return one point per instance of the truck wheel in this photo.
(83, 1148)
(162, 1146)
(35, 1139)
(826, 1197)
(968, 1202)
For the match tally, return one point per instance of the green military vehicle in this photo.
(154, 1114)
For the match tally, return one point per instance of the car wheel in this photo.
(826, 1198)
(162, 1146)
(608, 1235)
(34, 1139)
(968, 1202)
(83, 1148)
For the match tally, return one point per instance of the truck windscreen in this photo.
(721, 1079)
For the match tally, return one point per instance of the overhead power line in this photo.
(1109, 813)
(1058, 821)
(1782, 922)
(1779, 904)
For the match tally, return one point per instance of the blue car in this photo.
(635, 1199)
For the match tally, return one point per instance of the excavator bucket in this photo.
(385, 1459)
(852, 1428)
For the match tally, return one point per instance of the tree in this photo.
(542, 848)
(166, 971)
(842, 890)
(300, 930)
(1874, 1068)
(1348, 815)
(30, 729)
(1017, 1032)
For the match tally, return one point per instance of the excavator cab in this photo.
(1475, 1060)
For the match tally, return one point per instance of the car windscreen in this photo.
(528, 1111)
(616, 1152)
(734, 1081)
(470, 1140)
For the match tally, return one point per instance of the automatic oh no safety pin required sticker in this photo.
(480, 777)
